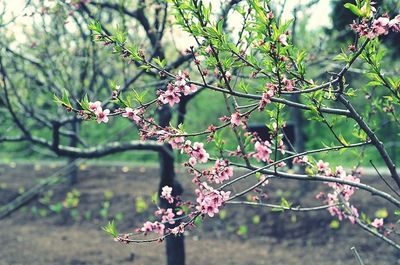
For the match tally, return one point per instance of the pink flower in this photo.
(147, 227)
(169, 97)
(220, 172)
(394, 24)
(380, 26)
(263, 179)
(377, 223)
(266, 97)
(340, 172)
(199, 153)
(178, 229)
(300, 160)
(208, 50)
(168, 216)
(192, 161)
(283, 39)
(158, 228)
(262, 151)
(177, 142)
(102, 116)
(166, 194)
(288, 84)
(210, 200)
(228, 75)
(354, 214)
(322, 166)
(95, 106)
(235, 119)
(131, 114)
(188, 89)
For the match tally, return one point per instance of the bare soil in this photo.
(39, 236)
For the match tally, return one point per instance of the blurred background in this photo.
(54, 199)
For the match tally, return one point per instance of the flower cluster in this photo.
(174, 91)
(155, 227)
(378, 27)
(166, 193)
(133, 114)
(341, 193)
(209, 199)
(101, 115)
(266, 96)
(220, 172)
(262, 151)
(196, 152)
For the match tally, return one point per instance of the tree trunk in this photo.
(175, 249)
(72, 173)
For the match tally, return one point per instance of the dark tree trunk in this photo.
(72, 173)
(175, 248)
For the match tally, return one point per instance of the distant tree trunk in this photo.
(72, 173)
(174, 244)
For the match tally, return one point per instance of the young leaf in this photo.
(110, 229)
(354, 9)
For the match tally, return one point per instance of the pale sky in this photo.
(318, 14)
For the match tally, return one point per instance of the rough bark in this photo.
(73, 167)
(175, 249)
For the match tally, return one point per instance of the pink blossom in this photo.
(102, 116)
(178, 229)
(158, 228)
(147, 227)
(166, 194)
(322, 166)
(168, 216)
(220, 172)
(188, 89)
(288, 84)
(354, 214)
(177, 142)
(283, 39)
(377, 223)
(380, 26)
(394, 24)
(300, 160)
(170, 97)
(340, 172)
(266, 97)
(199, 153)
(208, 50)
(235, 119)
(263, 151)
(95, 106)
(264, 180)
(131, 114)
(228, 75)
(281, 147)
(210, 200)
(192, 161)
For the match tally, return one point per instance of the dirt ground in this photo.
(37, 235)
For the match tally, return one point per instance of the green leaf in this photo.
(256, 219)
(335, 224)
(381, 213)
(242, 230)
(140, 205)
(95, 26)
(159, 62)
(110, 229)
(222, 214)
(354, 9)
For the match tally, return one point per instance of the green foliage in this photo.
(110, 229)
